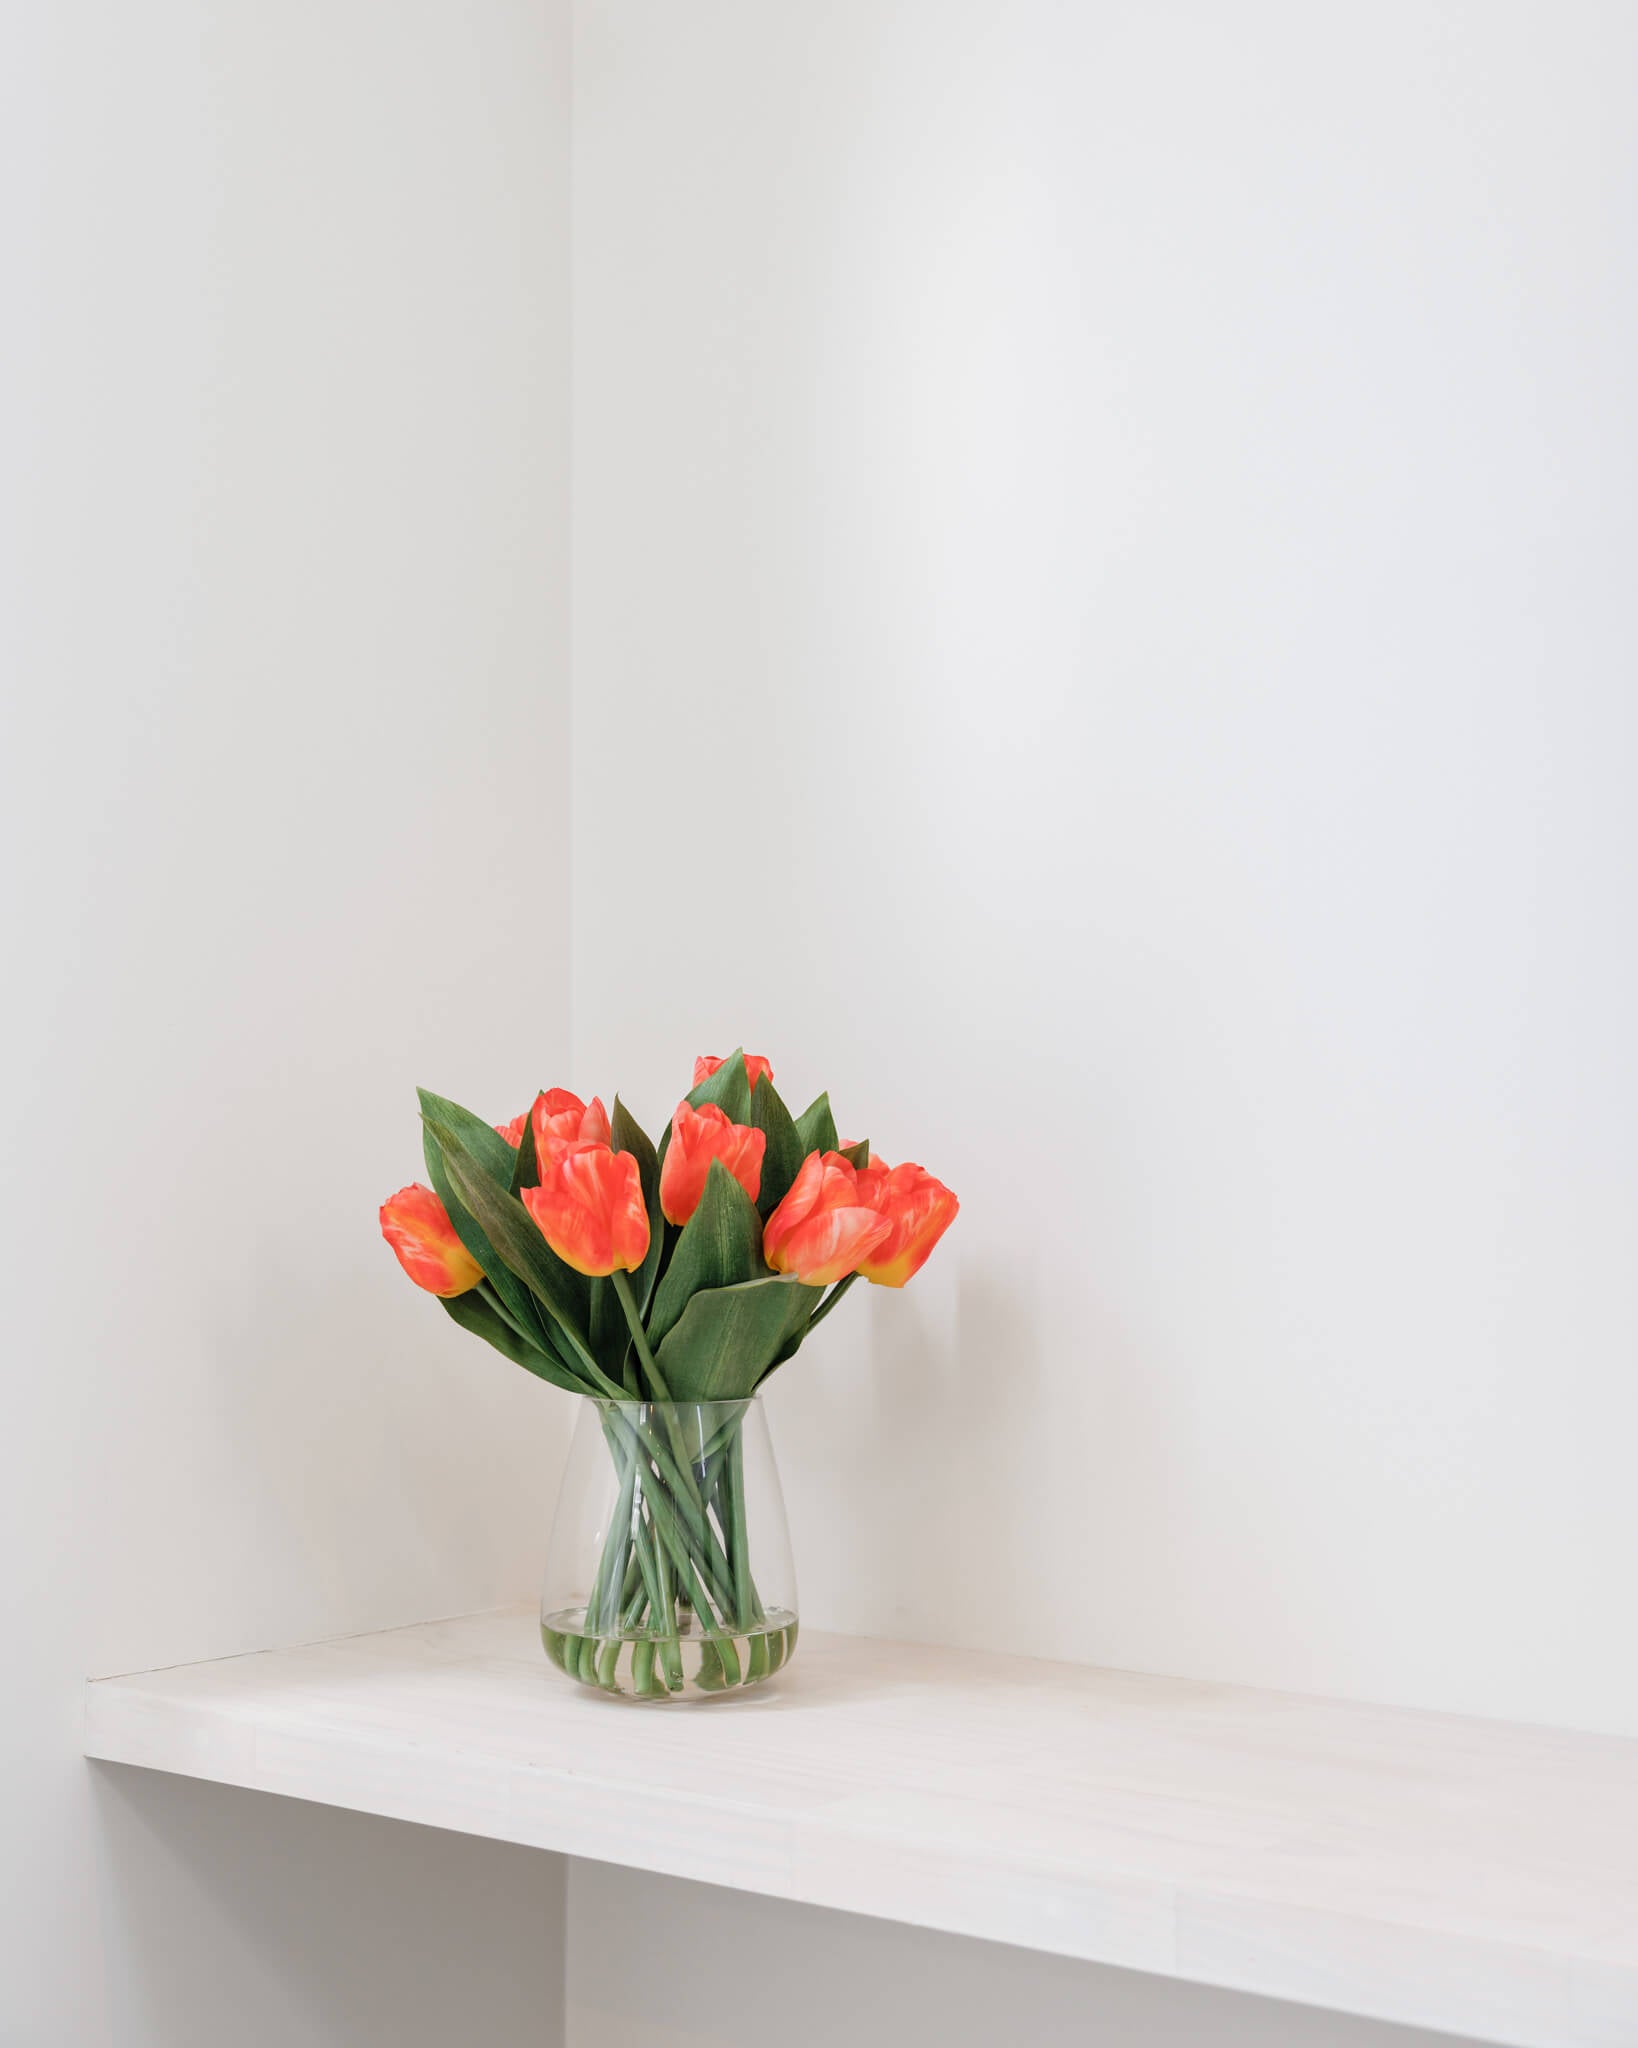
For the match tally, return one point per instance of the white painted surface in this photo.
(282, 557)
(1467, 1875)
(828, 1977)
(1102, 580)
(1106, 532)
(266, 1922)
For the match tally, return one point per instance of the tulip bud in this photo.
(918, 1210)
(822, 1229)
(697, 1137)
(755, 1067)
(417, 1226)
(562, 1121)
(590, 1209)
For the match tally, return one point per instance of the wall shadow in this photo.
(840, 1977)
(233, 1916)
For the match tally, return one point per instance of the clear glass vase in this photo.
(669, 1572)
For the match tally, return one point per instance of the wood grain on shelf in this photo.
(1451, 1873)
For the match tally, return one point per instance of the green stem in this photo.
(598, 1377)
(582, 1361)
(539, 1339)
(639, 1336)
(609, 1591)
(673, 1483)
(663, 1612)
(661, 1545)
(829, 1302)
(485, 1291)
(683, 1543)
(747, 1607)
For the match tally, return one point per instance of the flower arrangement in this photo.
(646, 1277)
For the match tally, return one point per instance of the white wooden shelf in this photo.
(1468, 1875)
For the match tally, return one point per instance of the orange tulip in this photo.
(590, 1209)
(755, 1067)
(562, 1121)
(823, 1227)
(917, 1209)
(697, 1137)
(513, 1132)
(417, 1226)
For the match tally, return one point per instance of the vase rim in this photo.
(640, 1401)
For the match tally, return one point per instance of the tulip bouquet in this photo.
(649, 1278)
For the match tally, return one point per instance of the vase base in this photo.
(703, 1664)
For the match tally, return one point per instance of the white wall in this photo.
(714, 1966)
(1102, 630)
(1100, 551)
(283, 524)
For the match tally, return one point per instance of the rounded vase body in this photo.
(668, 1573)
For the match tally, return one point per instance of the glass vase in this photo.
(668, 1573)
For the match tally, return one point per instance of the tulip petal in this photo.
(590, 1210)
(918, 1209)
(831, 1244)
(416, 1224)
(699, 1136)
(560, 1121)
(825, 1225)
(798, 1203)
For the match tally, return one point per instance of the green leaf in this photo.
(502, 1217)
(493, 1149)
(727, 1337)
(627, 1135)
(794, 1342)
(526, 1162)
(606, 1329)
(729, 1088)
(856, 1155)
(786, 1351)
(481, 1140)
(562, 1353)
(495, 1157)
(816, 1127)
(720, 1244)
(473, 1313)
(782, 1154)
